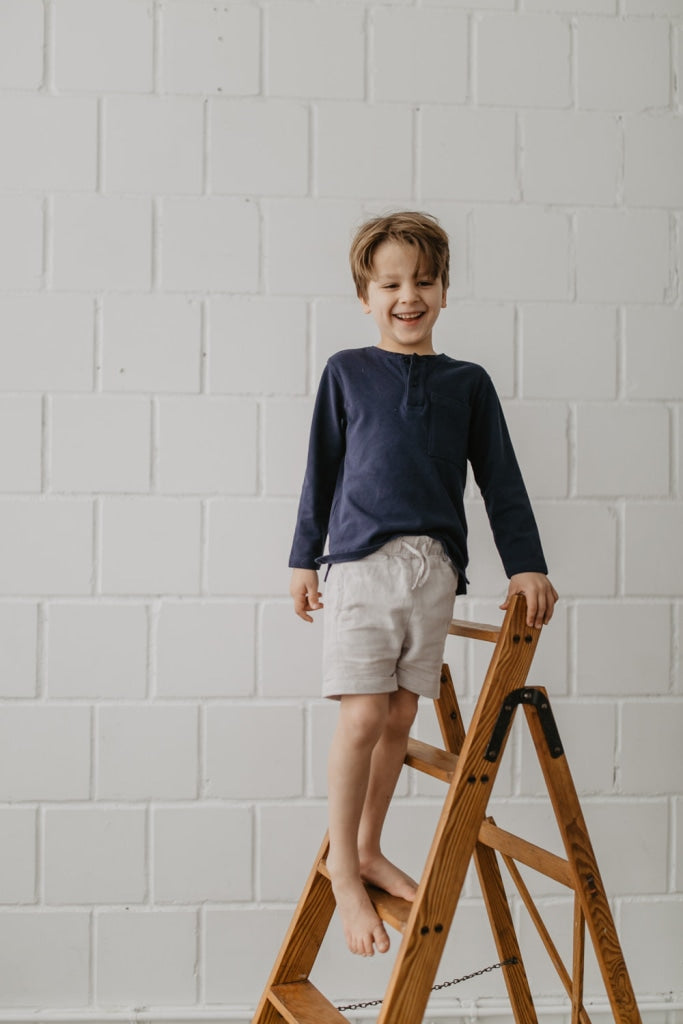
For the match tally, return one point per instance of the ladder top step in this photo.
(300, 1002)
(431, 760)
(474, 630)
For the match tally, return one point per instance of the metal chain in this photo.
(435, 988)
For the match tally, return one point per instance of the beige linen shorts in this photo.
(386, 619)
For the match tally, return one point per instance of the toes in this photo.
(381, 939)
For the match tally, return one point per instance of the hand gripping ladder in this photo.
(468, 764)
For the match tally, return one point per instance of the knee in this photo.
(402, 711)
(363, 719)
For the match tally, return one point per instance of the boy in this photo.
(393, 427)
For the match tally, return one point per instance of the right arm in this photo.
(326, 448)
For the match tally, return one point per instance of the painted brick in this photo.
(20, 443)
(284, 864)
(570, 157)
(21, 246)
(364, 150)
(305, 245)
(642, 829)
(572, 6)
(32, 361)
(49, 144)
(254, 752)
(45, 546)
(151, 343)
(146, 958)
(77, 636)
(45, 959)
(678, 855)
(103, 45)
(17, 855)
(468, 154)
(205, 650)
(339, 324)
(249, 544)
(323, 721)
(146, 752)
(153, 145)
(315, 52)
(588, 735)
(258, 147)
(568, 351)
(520, 253)
(100, 443)
(622, 256)
(202, 853)
(637, 75)
(652, 965)
(239, 945)
(21, 44)
(298, 674)
(94, 855)
(101, 243)
(400, 68)
(611, 440)
(654, 554)
(651, 756)
(44, 753)
(287, 425)
(523, 60)
(207, 445)
(539, 434)
(579, 540)
(623, 649)
(485, 571)
(654, 354)
(210, 48)
(150, 545)
(257, 346)
(195, 250)
(653, 157)
(18, 656)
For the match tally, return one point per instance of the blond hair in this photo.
(408, 227)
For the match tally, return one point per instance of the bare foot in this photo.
(362, 927)
(381, 872)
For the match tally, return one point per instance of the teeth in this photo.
(408, 316)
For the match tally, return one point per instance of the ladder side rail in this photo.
(488, 870)
(579, 947)
(454, 842)
(304, 937)
(588, 883)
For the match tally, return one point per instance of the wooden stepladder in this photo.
(468, 763)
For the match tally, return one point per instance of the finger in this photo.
(300, 607)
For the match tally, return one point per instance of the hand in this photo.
(540, 596)
(304, 590)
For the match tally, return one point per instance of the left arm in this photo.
(498, 475)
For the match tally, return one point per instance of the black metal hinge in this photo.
(538, 699)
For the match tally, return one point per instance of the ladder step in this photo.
(431, 760)
(474, 630)
(300, 1002)
(391, 909)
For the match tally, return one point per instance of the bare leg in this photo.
(361, 722)
(387, 760)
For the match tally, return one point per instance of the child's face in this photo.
(403, 298)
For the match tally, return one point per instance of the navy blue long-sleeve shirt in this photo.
(390, 440)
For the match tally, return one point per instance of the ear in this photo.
(364, 304)
(443, 300)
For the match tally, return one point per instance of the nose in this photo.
(408, 291)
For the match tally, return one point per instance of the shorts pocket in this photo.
(449, 423)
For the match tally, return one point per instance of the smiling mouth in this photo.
(408, 317)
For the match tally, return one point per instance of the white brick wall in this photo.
(178, 185)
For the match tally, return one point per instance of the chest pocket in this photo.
(449, 421)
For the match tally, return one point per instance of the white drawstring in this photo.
(424, 568)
